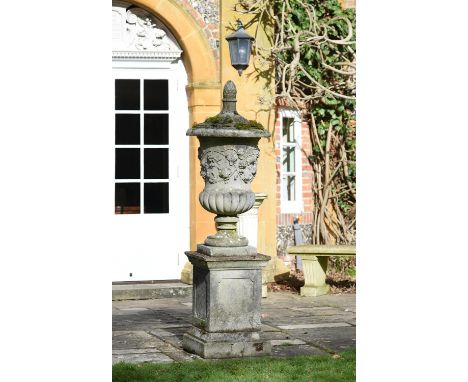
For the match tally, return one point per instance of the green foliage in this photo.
(313, 56)
(303, 368)
(325, 108)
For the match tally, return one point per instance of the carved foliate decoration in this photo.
(137, 33)
(144, 31)
(226, 163)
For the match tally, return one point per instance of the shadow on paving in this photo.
(152, 330)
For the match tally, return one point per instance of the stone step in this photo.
(150, 291)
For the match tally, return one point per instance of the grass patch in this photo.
(265, 369)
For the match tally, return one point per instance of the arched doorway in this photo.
(151, 211)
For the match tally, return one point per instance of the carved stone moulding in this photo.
(227, 203)
(138, 35)
(135, 55)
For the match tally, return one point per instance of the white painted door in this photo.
(151, 193)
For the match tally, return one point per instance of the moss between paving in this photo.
(305, 368)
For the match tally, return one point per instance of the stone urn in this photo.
(227, 279)
(228, 157)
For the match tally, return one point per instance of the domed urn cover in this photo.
(228, 156)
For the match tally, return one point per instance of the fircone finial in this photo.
(229, 98)
(229, 91)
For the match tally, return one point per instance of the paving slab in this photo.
(151, 330)
(332, 339)
(150, 291)
(141, 358)
(314, 326)
(135, 339)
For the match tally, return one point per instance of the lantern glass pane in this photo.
(244, 51)
(233, 52)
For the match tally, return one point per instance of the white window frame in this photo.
(297, 205)
(142, 76)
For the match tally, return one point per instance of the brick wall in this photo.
(306, 148)
(284, 221)
(206, 13)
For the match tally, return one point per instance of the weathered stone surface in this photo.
(335, 339)
(136, 339)
(281, 338)
(176, 340)
(287, 342)
(225, 344)
(268, 328)
(314, 326)
(226, 251)
(284, 321)
(141, 358)
(239, 261)
(150, 291)
(229, 290)
(226, 306)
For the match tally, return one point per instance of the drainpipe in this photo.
(298, 240)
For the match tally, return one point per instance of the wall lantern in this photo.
(240, 43)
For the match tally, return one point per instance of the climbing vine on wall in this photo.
(313, 55)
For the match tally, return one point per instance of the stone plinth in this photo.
(226, 306)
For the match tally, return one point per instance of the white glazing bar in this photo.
(142, 154)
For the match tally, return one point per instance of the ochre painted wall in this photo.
(206, 75)
(249, 88)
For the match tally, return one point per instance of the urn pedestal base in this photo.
(225, 344)
(226, 306)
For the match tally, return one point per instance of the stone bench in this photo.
(315, 262)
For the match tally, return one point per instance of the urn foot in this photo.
(226, 235)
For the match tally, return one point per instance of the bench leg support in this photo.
(315, 273)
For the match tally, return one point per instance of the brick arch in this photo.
(198, 58)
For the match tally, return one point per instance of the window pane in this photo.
(156, 198)
(156, 129)
(127, 94)
(288, 130)
(127, 198)
(156, 163)
(289, 157)
(156, 95)
(127, 163)
(127, 129)
(291, 187)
